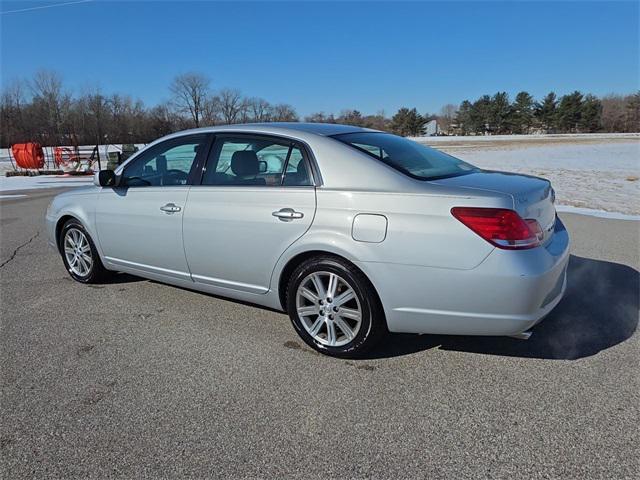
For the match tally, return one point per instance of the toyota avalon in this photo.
(353, 232)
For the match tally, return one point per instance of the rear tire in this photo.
(334, 308)
(79, 254)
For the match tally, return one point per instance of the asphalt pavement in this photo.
(136, 379)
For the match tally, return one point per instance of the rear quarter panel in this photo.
(420, 231)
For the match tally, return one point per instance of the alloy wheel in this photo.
(77, 252)
(328, 308)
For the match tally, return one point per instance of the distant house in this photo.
(431, 128)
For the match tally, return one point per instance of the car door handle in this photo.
(287, 214)
(170, 208)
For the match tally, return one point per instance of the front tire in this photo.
(334, 307)
(79, 254)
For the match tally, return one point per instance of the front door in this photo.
(139, 223)
(257, 197)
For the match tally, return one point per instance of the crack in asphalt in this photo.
(17, 249)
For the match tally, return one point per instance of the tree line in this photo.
(571, 113)
(43, 110)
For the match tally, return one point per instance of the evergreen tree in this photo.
(463, 118)
(590, 114)
(481, 115)
(500, 116)
(633, 113)
(522, 113)
(570, 112)
(547, 112)
(408, 122)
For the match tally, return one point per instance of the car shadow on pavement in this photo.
(599, 311)
(120, 277)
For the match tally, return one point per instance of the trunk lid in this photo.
(533, 197)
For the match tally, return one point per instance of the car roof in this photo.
(322, 129)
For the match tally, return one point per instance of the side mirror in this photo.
(262, 166)
(105, 178)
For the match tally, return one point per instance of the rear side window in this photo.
(411, 158)
(256, 161)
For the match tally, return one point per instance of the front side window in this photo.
(411, 158)
(166, 164)
(256, 161)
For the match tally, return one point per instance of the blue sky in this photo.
(333, 55)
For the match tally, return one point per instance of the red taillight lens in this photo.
(500, 227)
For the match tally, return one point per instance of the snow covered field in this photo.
(591, 172)
(596, 172)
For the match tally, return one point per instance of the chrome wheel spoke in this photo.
(317, 325)
(83, 266)
(331, 333)
(346, 329)
(309, 295)
(344, 297)
(317, 283)
(308, 310)
(333, 286)
(350, 313)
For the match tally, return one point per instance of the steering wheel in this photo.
(177, 176)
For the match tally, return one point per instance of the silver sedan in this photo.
(353, 232)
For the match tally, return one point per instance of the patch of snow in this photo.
(12, 196)
(596, 213)
(8, 184)
(569, 137)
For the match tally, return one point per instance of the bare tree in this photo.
(259, 109)
(447, 117)
(50, 103)
(211, 112)
(12, 105)
(190, 93)
(284, 113)
(230, 105)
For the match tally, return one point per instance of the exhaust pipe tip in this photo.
(522, 335)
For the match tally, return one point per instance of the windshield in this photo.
(411, 158)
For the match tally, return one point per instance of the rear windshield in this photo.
(411, 158)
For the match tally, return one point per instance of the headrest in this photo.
(245, 163)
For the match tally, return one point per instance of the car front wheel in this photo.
(334, 307)
(79, 254)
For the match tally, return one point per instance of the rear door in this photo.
(256, 198)
(139, 222)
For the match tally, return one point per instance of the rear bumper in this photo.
(508, 293)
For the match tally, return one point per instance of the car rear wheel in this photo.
(79, 254)
(334, 307)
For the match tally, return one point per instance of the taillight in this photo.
(500, 227)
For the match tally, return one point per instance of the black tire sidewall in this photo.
(96, 266)
(362, 291)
